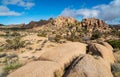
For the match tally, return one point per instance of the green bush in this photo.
(15, 43)
(114, 43)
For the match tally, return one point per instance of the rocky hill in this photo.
(90, 24)
(117, 27)
(70, 28)
(2, 25)
(40, 23)
(62, 21)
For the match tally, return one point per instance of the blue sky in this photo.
(24, 11)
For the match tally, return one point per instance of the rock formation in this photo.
(54, 61)
(37, 69)
(70, 60)
(108, 46)
(63, 21)
(92, 24)
(90, 66)
(102, 51)
(64, 54)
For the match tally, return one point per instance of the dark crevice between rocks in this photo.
(87, 48)
(94, 51)
(97, 52)
(72, 65)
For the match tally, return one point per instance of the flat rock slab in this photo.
(37, 69)
(64, 54)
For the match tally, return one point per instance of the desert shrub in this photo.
(2, 55)
(8, 33)
(116, 69)
(15, 43)
(30, 48)
(2, 48)
(15, 34)
(74, 38)
(57, 38)
(42, 34)
(11, 67)
(114, 43)
(11, 63)
(115, 32)
(2, 35)
(95, 35)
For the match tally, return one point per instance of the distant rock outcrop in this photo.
(63, 21)
(59, 22)
(92, 24)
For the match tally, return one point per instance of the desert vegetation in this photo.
(115, 43)
(15, 43)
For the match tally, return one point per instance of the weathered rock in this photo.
(102, 51)
(64, 54)
(38, 69)
(89, 66)
(62, 21)
(107, 45)
(92, 24)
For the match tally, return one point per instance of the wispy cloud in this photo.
(108, 12)
(23, 3)
(5, 11)
(79, 12)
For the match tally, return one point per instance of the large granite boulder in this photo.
(107, 45)
(102, 51)
(64, 54)
(90, 66)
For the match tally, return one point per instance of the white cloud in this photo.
(23, 3)
(106, 12)
(4, 11)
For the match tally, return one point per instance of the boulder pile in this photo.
(71, 60)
